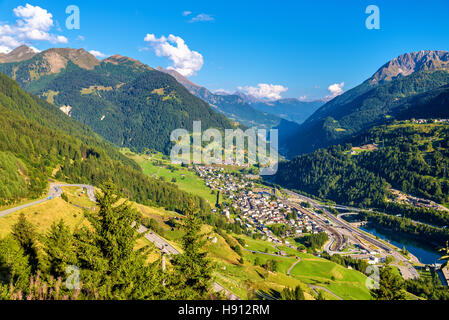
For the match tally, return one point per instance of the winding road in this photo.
(293, 265)
(314, 287)
(406, 268)
(56, 191)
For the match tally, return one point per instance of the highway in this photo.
(55, 191)
(406, 268)
(158, 241)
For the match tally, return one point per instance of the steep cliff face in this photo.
(409, 63)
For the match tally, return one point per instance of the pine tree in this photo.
(292, 294)
(391, 286)
(192, 269)
(111, 267)
(58, 244)
(25, 234)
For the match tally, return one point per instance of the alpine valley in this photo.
(87, 184)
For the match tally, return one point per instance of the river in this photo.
(427, 254)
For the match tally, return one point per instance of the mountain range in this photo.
(122, 99)
(136, 106)
(38, 142)
(401, 89)
(249, 110)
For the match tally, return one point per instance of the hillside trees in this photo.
(36, 138)
(391, 286)
(192, 269)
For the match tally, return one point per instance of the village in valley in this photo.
(256, 206)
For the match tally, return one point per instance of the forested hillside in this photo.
(368, 105)
(410, 157)
(332, 174)
(125, 101)
(37, 140)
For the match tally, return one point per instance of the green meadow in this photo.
(186, 179)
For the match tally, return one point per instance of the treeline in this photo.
(430, 289)
(426, 215)
(347, 261)
(331, 173)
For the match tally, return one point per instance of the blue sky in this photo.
(304, 46)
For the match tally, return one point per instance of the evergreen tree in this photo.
(192, 269)
(111, 267)
(391, 286)
(58, 244)
(14, 267)
(25, 234)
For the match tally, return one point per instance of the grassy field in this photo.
(22, 202)
(76, 196)
(43, 215)
(244, 279)
(348, 284)
(258, 245)
(186, 179)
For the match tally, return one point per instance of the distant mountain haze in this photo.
(233, 106)
(283, 115)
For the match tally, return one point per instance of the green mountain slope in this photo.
(410, 157)
(234, 106)
(125, 101)
(38, 141)
(374, 102)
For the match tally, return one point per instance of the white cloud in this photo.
(97, 54)
(152, 38)
(4, 49)
(80, 38)
(302, 98)
(202, 17)
(186, 13)
(185, 61)
(33, 24)
(35, 49)
(335, 89)
(264, 91)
